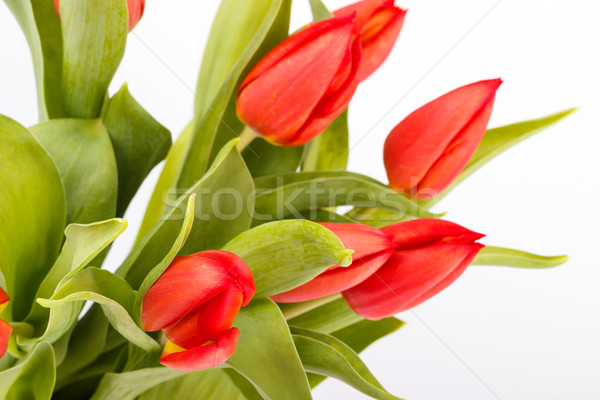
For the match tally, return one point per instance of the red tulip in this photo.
(379, 23)
(194, 303)
(294, 92)
(372, 248)
(5, 327)
(429, 148)
(135, 10)
(430, 255)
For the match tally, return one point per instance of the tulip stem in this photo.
(292, 310)
(246, 137)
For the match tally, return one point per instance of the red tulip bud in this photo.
(294, 92)
(372, 248)
(194, 303)
(135, 10)
(5, 327)
(430, 255)
(379, 23)
(429, 148)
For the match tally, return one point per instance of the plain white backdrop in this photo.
(497, 333)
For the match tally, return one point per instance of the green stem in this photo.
(246, 137)
(292, 310)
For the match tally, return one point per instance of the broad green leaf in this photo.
(33, 378)
(375, 217)
(325, 215)
(212, 384)
(85, 159)
(215, 128)
(497, 140)
(286, 254)
(32, 215)
(171, 170)
(222, 211)
(114, 295)
(319, 11)
(288, 195)
(362, 334)
(326, 318)
(326, 355)
(42, 29)
(129, 385)
(329, 150)
(263, 158)
(94, 36)
(265, 353)
(503, 257)
(139, 141)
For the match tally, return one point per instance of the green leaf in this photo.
(503, 257)
(270, 19)
(85, 159)
(33, 378)
(94, 36)
(263, 158)
(265, 353)
(319, 11)
(375, 217)
(326, 318)
(286, 254)
(325, 215)
(329, 150)
(323, 354)
(129, 385)
(114, 295)
(223, 198)
(497, 140)
(288, 195)
(42, 29)
(139, 141)
(27, 175)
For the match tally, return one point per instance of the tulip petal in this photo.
(135, 9)
(238, 270)
(188, 282)
(3, 299)
(409, 278)
(426, 231)
(5, 331)
(202, 357)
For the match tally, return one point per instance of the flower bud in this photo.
(295, 91)
(194, 303)
(379, 23)
(135, 9)
(430, 254)
(429, 148)
(5, 327)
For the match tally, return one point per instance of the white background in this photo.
(497, 333)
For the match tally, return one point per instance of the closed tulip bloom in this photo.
(295, 91)
(379, 23)
(194, 303)
(135, 9)
(430, 255)
(429, 148)
(372, 248)
(5, 327)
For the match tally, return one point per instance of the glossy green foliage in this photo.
(263, 158)
(32, 215)
(33, 378)
(139, 141)
(85, 159)
(129, 385)
(326, 318)
(329, 150)
(503, 257)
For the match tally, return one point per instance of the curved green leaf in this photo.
(326, 318)
(329, 150)
(319, 11)
(94, 36)
(32, 215)
(129, 385)
(286, 254)
(33, 378)
(263, 158)
(503, 257)
(139, 141)
(85, 159)
(265, 353)
(375, 217)
(323, 354)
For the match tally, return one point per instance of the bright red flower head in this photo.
(379, 23)
(294, 92)
(430, 254)
(372, 248)
(135, 9)
(194, 303)
(429, 148)
(5, 327)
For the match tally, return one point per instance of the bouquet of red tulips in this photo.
(262, 266)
